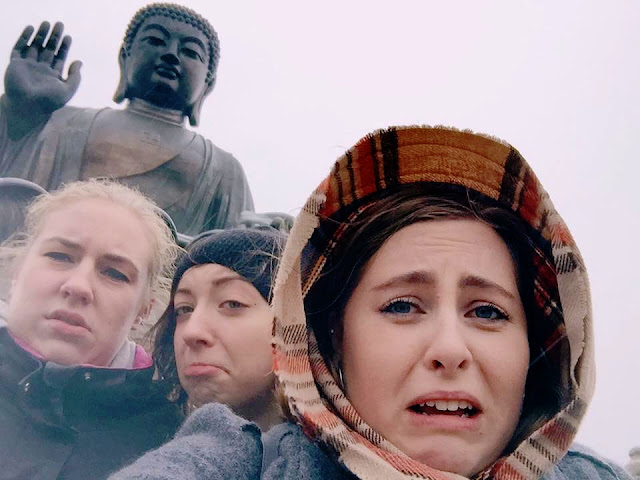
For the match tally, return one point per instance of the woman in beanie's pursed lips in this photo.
(214, 339)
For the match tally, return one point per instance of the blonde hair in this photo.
(164, 248)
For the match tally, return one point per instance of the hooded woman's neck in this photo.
(263, 411)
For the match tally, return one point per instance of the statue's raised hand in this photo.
(33, 81)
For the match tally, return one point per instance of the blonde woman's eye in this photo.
(58, 256)
(116, 275)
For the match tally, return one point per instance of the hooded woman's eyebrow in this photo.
(480, 282)
(407, 278)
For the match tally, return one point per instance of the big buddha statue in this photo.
(168, 63)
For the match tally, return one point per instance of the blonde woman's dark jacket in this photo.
(75, 422)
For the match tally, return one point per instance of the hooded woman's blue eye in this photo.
(400, 307)
(489, 312)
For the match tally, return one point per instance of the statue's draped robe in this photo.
(204, 187)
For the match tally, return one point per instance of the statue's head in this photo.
(169, 57)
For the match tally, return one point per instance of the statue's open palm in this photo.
(34, 75)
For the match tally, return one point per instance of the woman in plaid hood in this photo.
(433, 321)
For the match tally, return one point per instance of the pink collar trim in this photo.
(141, 359)
(25, 346)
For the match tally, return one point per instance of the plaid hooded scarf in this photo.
(385, 160)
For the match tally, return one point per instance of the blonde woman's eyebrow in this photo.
(65, 242)
(110, 257)
(121, 260)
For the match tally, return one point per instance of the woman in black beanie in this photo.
(213, 342)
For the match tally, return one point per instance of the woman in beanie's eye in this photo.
(214, 343)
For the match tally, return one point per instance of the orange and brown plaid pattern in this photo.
(388, 159)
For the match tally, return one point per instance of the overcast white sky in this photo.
(300, 82)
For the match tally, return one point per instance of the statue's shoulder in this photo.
(221, 155)
(73, 114)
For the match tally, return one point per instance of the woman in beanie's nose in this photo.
(213, 342)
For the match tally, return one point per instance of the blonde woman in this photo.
(77, 398)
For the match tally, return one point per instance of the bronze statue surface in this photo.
(168, 64)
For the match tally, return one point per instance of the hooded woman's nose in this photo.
(447, 347)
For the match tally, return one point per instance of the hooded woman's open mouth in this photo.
(460, 408)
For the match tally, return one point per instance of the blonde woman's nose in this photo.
(78, 286)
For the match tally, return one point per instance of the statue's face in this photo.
(167, 64)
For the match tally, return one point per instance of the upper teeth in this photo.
(444, 405)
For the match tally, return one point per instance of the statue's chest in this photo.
(162, 160)
(121, 145)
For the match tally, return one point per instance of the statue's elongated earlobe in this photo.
(121, 91)
(193, 112)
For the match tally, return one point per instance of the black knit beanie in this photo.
(253, 253)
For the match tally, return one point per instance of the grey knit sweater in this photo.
(215, 444)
